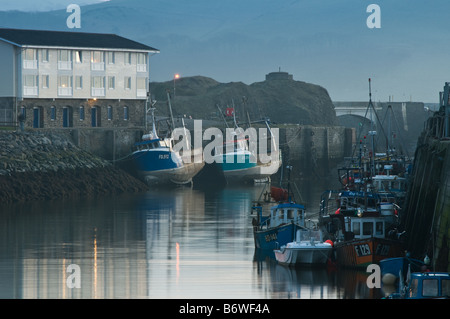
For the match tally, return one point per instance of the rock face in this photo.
(35, 166)
(281, 100)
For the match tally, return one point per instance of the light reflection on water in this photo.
(178, 243)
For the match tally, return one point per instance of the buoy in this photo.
(388, 279)
(329, 242)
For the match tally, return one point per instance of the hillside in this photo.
(326, 41)
(283, 101)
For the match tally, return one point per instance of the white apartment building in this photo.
(72, 79)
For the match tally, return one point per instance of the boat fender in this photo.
(388, 279)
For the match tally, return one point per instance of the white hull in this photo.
(303, 253)
(260, 171)
(180, 175)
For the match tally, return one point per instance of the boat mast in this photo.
(372, 131)
(170, 109)
(150, 109)
(155, 136)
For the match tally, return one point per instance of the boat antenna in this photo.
(289, 168)
(170, 110)
(220, 111)
(372, 133)
(155, 136)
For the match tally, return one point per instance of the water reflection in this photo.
(179, 243)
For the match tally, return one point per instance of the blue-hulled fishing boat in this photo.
(424, 285)
(156, 161)
(280, 226)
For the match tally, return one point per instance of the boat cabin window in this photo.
(379, 228)
(290, 213)
(281, 214)
(413, 288)
(445, 283)
(367, 229)
(430, 288)
(356, 228)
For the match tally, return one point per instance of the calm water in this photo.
(177, 243)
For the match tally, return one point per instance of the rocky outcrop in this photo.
(283, 101)
(36, 166)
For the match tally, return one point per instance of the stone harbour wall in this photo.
(38, 166)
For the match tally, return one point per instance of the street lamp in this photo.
(175, 77)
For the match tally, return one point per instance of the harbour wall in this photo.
(308, 146)
(37, 165)
(311, 150)
(58, 163)
(426, 218)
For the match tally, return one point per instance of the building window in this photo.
(44, 54)
(98, 61)
(30, 59)
(81, 113)
(141, 62)
(111, 58)
(111, 82)
(78, 56)
(110, 113)
(78, 82)
(127, 58)
(53, 113)
(45, 79)
(30, 85)
(64, 60)
(127, 83)
(125, 113)
(141, 87)
(98, 86)
(64, 85)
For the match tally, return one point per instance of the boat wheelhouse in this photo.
(279, 228)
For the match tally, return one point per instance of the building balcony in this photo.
(98, 66)
(30, 64)
(30, 90)
(98, 91)
(65, 91)
(141, 93)
(142, 68)
(64, 65)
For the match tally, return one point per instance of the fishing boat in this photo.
(361, 231)
(362, 218)
(279, 227)
(424, 285)
(238, 162)
(307, 249)
(156, 161)
(392, 269)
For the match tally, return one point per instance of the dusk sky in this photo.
(324, 42)
(41, 5)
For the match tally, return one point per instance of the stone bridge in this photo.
(360, 109)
